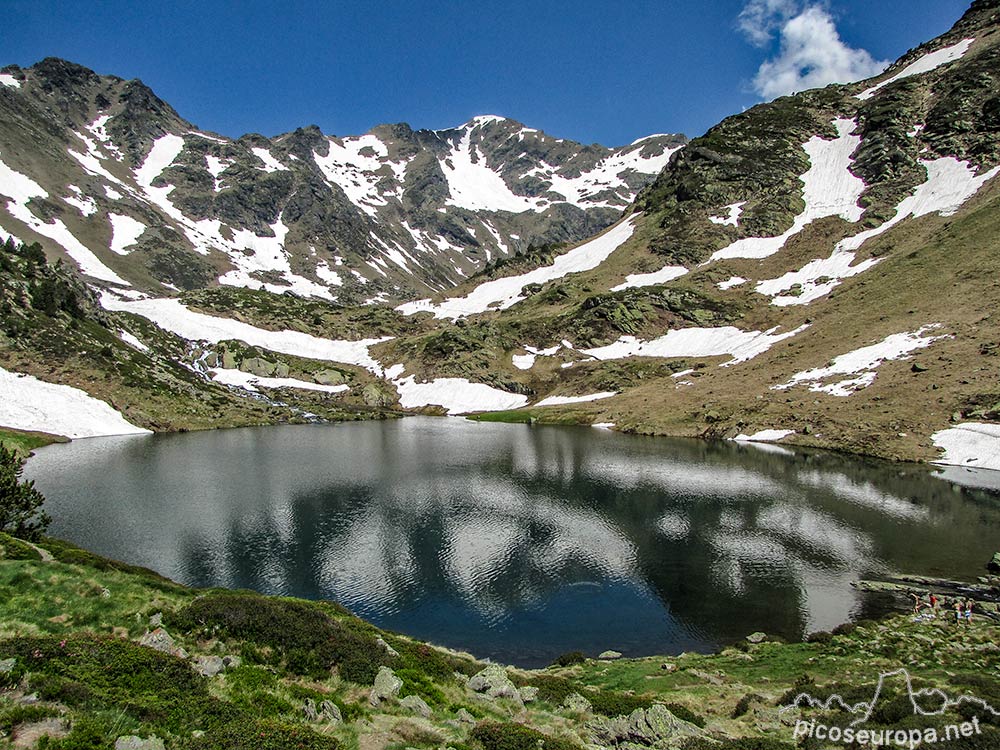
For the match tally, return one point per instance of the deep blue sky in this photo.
(590, 70)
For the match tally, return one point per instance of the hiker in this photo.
(968, 611)
(917, 603)
(958, 610)
(934, 605)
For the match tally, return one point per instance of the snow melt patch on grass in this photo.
(764, 436)
(125, 232)
(863, 362)
(527, 361)
(132, 341)
(696, 342)
(8, 80)
(828, 189)
(27, 403)
(731, 282)
(171, 315)
(971, 444)
(665, 274)
(82, 203)
(500, 294)
(249, 382)
(732, 217)
(949, 184)
(457, 395)
(925, 64)
(558, 400)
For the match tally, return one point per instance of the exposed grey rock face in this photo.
(609, 655)
(757, 637)
(417, 705)
(386, 686)
(380, 641)
(652, 727)
(576, 702)
(395, 211)
(528, 693)
(329, 711)
(7, 665)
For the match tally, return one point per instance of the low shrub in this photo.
(820, 636)
(569, 659)
(743, 704)
(262, 735)
(493, 735)
(309, 640)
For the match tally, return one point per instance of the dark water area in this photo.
(522, 543)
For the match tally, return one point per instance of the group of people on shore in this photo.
(932, 605)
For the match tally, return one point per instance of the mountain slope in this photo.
(821, 265)
(121, 183)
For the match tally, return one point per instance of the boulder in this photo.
(757, 637)
(386, 686)
(281, 370)
(156, 620)
(329, 377)
(388, 649)
(208, 666)
(160, 640)
(609, 655)
(494, 682)
(131, 742)
(7, 665)
(309, 710)
(528, 693)
(417, 705)
(576, 702)
(465, 717)
(993, 566)
(330, 711)
(652, 727)
(258, 366)
(232, 662)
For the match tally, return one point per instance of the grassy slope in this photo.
(72, 624)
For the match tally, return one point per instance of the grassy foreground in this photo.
(289, 673)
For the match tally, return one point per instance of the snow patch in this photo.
(828, 189)
(82, 203)
(250, 382)
(558, 400)
(732, 217)
(270, 163)
(731, 282)
(862, 363)
(27, 403)
(665, 274)
(949, 184)
(457, 395)
(925, 64)
(132, 341)
(125, 232)
(970, 444)
(503, 293)
(171, 315)
(764, 436)
(8, 80)
(473, 185)
(696, 342)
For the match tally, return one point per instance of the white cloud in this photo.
(812, 54)
(759, 19)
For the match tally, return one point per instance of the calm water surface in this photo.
(521, 543)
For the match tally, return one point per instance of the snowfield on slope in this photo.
(949, 184)
(665, 274)
(862, 363)
(925, 64)
(828, 189)
(505, 292)
(171, 315)
(20, 189)
(559, 400)
(970, 444)
(27, 403)
(696, 342)
(457, 395)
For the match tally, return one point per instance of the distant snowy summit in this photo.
(136, 194)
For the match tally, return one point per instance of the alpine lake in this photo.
(521, 543)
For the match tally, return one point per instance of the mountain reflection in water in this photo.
(515, 542)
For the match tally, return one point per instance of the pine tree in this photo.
(20, 502)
